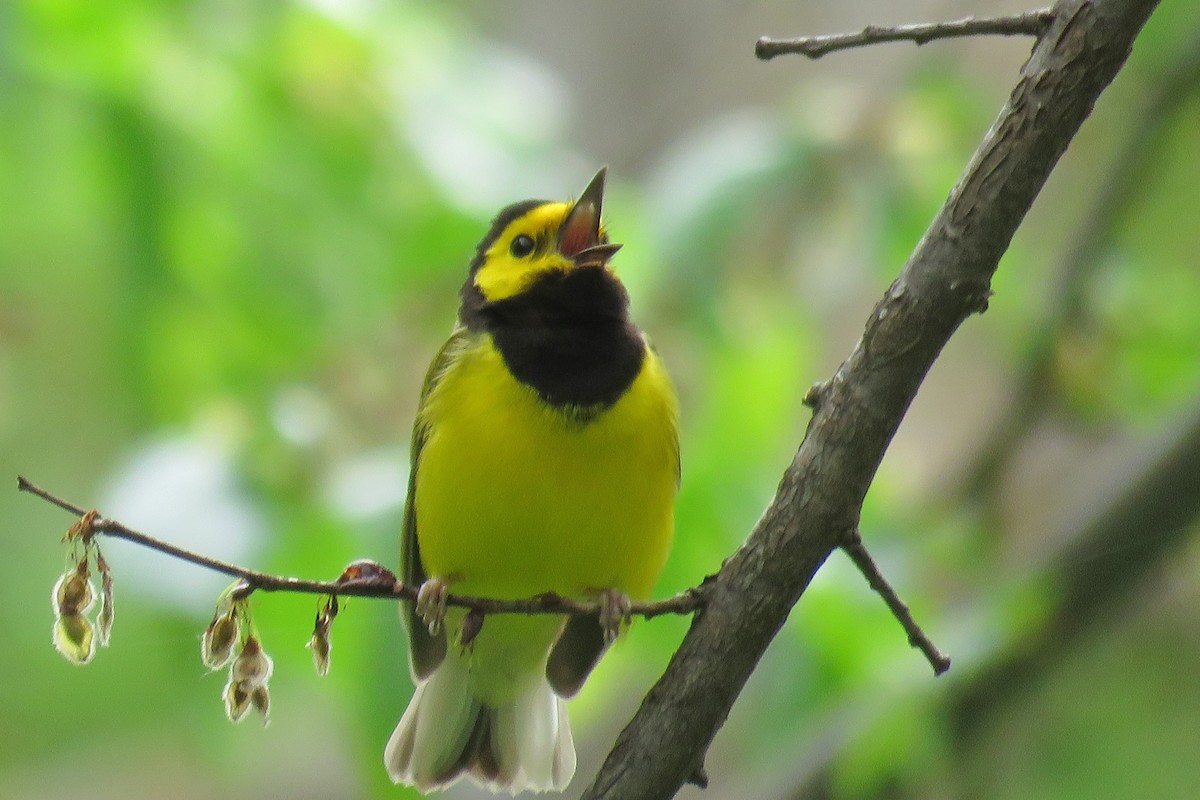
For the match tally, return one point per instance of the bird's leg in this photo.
(431, 603)
(615, 611)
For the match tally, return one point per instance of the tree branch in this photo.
(1032, 23)
(857, 551)
(365, 578)
(945, 280)
(1138, 528)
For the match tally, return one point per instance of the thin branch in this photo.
(946, 279)
(1031, 23)
(857, 551)
(365, 578)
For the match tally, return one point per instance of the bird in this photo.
(544, 458)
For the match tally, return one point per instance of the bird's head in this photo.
(536, 238)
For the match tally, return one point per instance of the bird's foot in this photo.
(615, 611)
(431, 603)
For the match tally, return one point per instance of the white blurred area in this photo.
(182, 488)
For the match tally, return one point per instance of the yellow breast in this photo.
(513, 497)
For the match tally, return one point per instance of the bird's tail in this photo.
(448, 732)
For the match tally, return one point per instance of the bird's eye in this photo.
(522, 246)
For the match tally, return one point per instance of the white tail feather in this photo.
(446, 732)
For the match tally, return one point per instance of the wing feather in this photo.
(425, 650)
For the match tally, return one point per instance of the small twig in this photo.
(376, 581)
(854, 547)
(1031, 23)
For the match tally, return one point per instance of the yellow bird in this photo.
(545, 457)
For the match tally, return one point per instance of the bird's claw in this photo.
(431, 604)
(615, 611)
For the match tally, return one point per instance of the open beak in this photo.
(579, 235)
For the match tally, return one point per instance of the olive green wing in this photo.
(425, 651)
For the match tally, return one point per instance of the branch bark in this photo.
(1031, 23)
(820, 497)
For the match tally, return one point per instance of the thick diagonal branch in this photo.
(946, 279)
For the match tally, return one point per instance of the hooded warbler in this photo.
(545, 457)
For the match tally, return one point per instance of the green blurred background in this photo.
(231, 237)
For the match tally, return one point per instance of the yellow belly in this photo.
(515, 498)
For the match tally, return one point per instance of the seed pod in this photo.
(472, 625)
(73, 592)
(73, 637)
(104, 620)
(216, 646)
(260, 698)
(237, 700)
(252, 666)
(320, 644)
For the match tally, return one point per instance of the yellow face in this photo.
(532, 238)
(527, 247)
